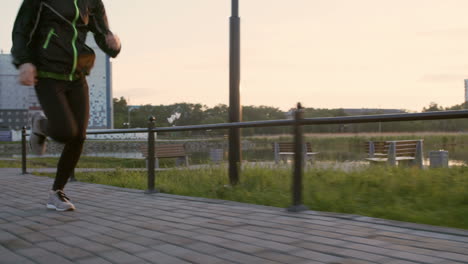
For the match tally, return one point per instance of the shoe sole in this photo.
(51, 206)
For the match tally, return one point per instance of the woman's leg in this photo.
(60, 124)
(66, 106)
(78, 102)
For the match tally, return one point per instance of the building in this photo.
(18, 103)
(100, 90)
(466, 90)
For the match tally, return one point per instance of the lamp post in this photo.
(235, 111)
(130, 108)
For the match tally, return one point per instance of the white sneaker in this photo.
(37, 139)
(59, 201)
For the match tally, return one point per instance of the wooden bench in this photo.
(168, 151)
(283, 150)
(393, 152)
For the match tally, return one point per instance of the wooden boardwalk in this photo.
(117, 225)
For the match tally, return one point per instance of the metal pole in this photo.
(235, 111)
(151, 156)
(23, 150)
(298, 161)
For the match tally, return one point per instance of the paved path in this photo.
(116, 225)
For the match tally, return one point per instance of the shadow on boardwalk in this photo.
(117, 225)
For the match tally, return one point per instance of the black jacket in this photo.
(51, 34)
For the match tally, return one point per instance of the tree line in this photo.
(180, 114)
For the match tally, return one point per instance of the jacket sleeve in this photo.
(23, 31)
(99, 25)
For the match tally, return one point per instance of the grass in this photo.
(436, 196)
(85, 162)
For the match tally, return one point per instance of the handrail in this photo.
(297, 124)
(306, 121)
(386, 118)
(117, 131)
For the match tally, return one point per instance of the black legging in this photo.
(66, 106)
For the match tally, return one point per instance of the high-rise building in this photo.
(100, 89)
(466, 90)
(18, 103)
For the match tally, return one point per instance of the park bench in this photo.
(394, 152)
(168, 151)
(283, 150)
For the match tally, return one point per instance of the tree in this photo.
(433, 107)
(140, 116)
(216, 115)
(120, 112)
(259, 113)
(195, 114)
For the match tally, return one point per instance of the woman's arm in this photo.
(23, 31)
(98, 24)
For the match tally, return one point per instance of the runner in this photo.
(50, 52)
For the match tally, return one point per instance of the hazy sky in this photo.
(323, 53)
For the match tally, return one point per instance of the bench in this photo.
(393, 152)
(283, 150)
(168, 151)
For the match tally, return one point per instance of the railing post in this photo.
(297, 187)
(235, 109)
(23, 150)
(151, 156)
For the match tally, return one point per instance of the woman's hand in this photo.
(27, 74)
(113, 41)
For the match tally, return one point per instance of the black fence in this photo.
(297, 124)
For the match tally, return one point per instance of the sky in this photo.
(400, 54)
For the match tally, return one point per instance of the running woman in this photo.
(50, 52)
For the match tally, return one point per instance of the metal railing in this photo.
(297, 123)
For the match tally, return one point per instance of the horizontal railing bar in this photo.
(386, 118)
(118, 131)
(326, 120)
(268, 123)
(307, 121)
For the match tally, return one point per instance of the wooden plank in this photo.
(292, 153)
(377, 159)
(385, 159)
(404, 158)
(289, 147)
(167, 151)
